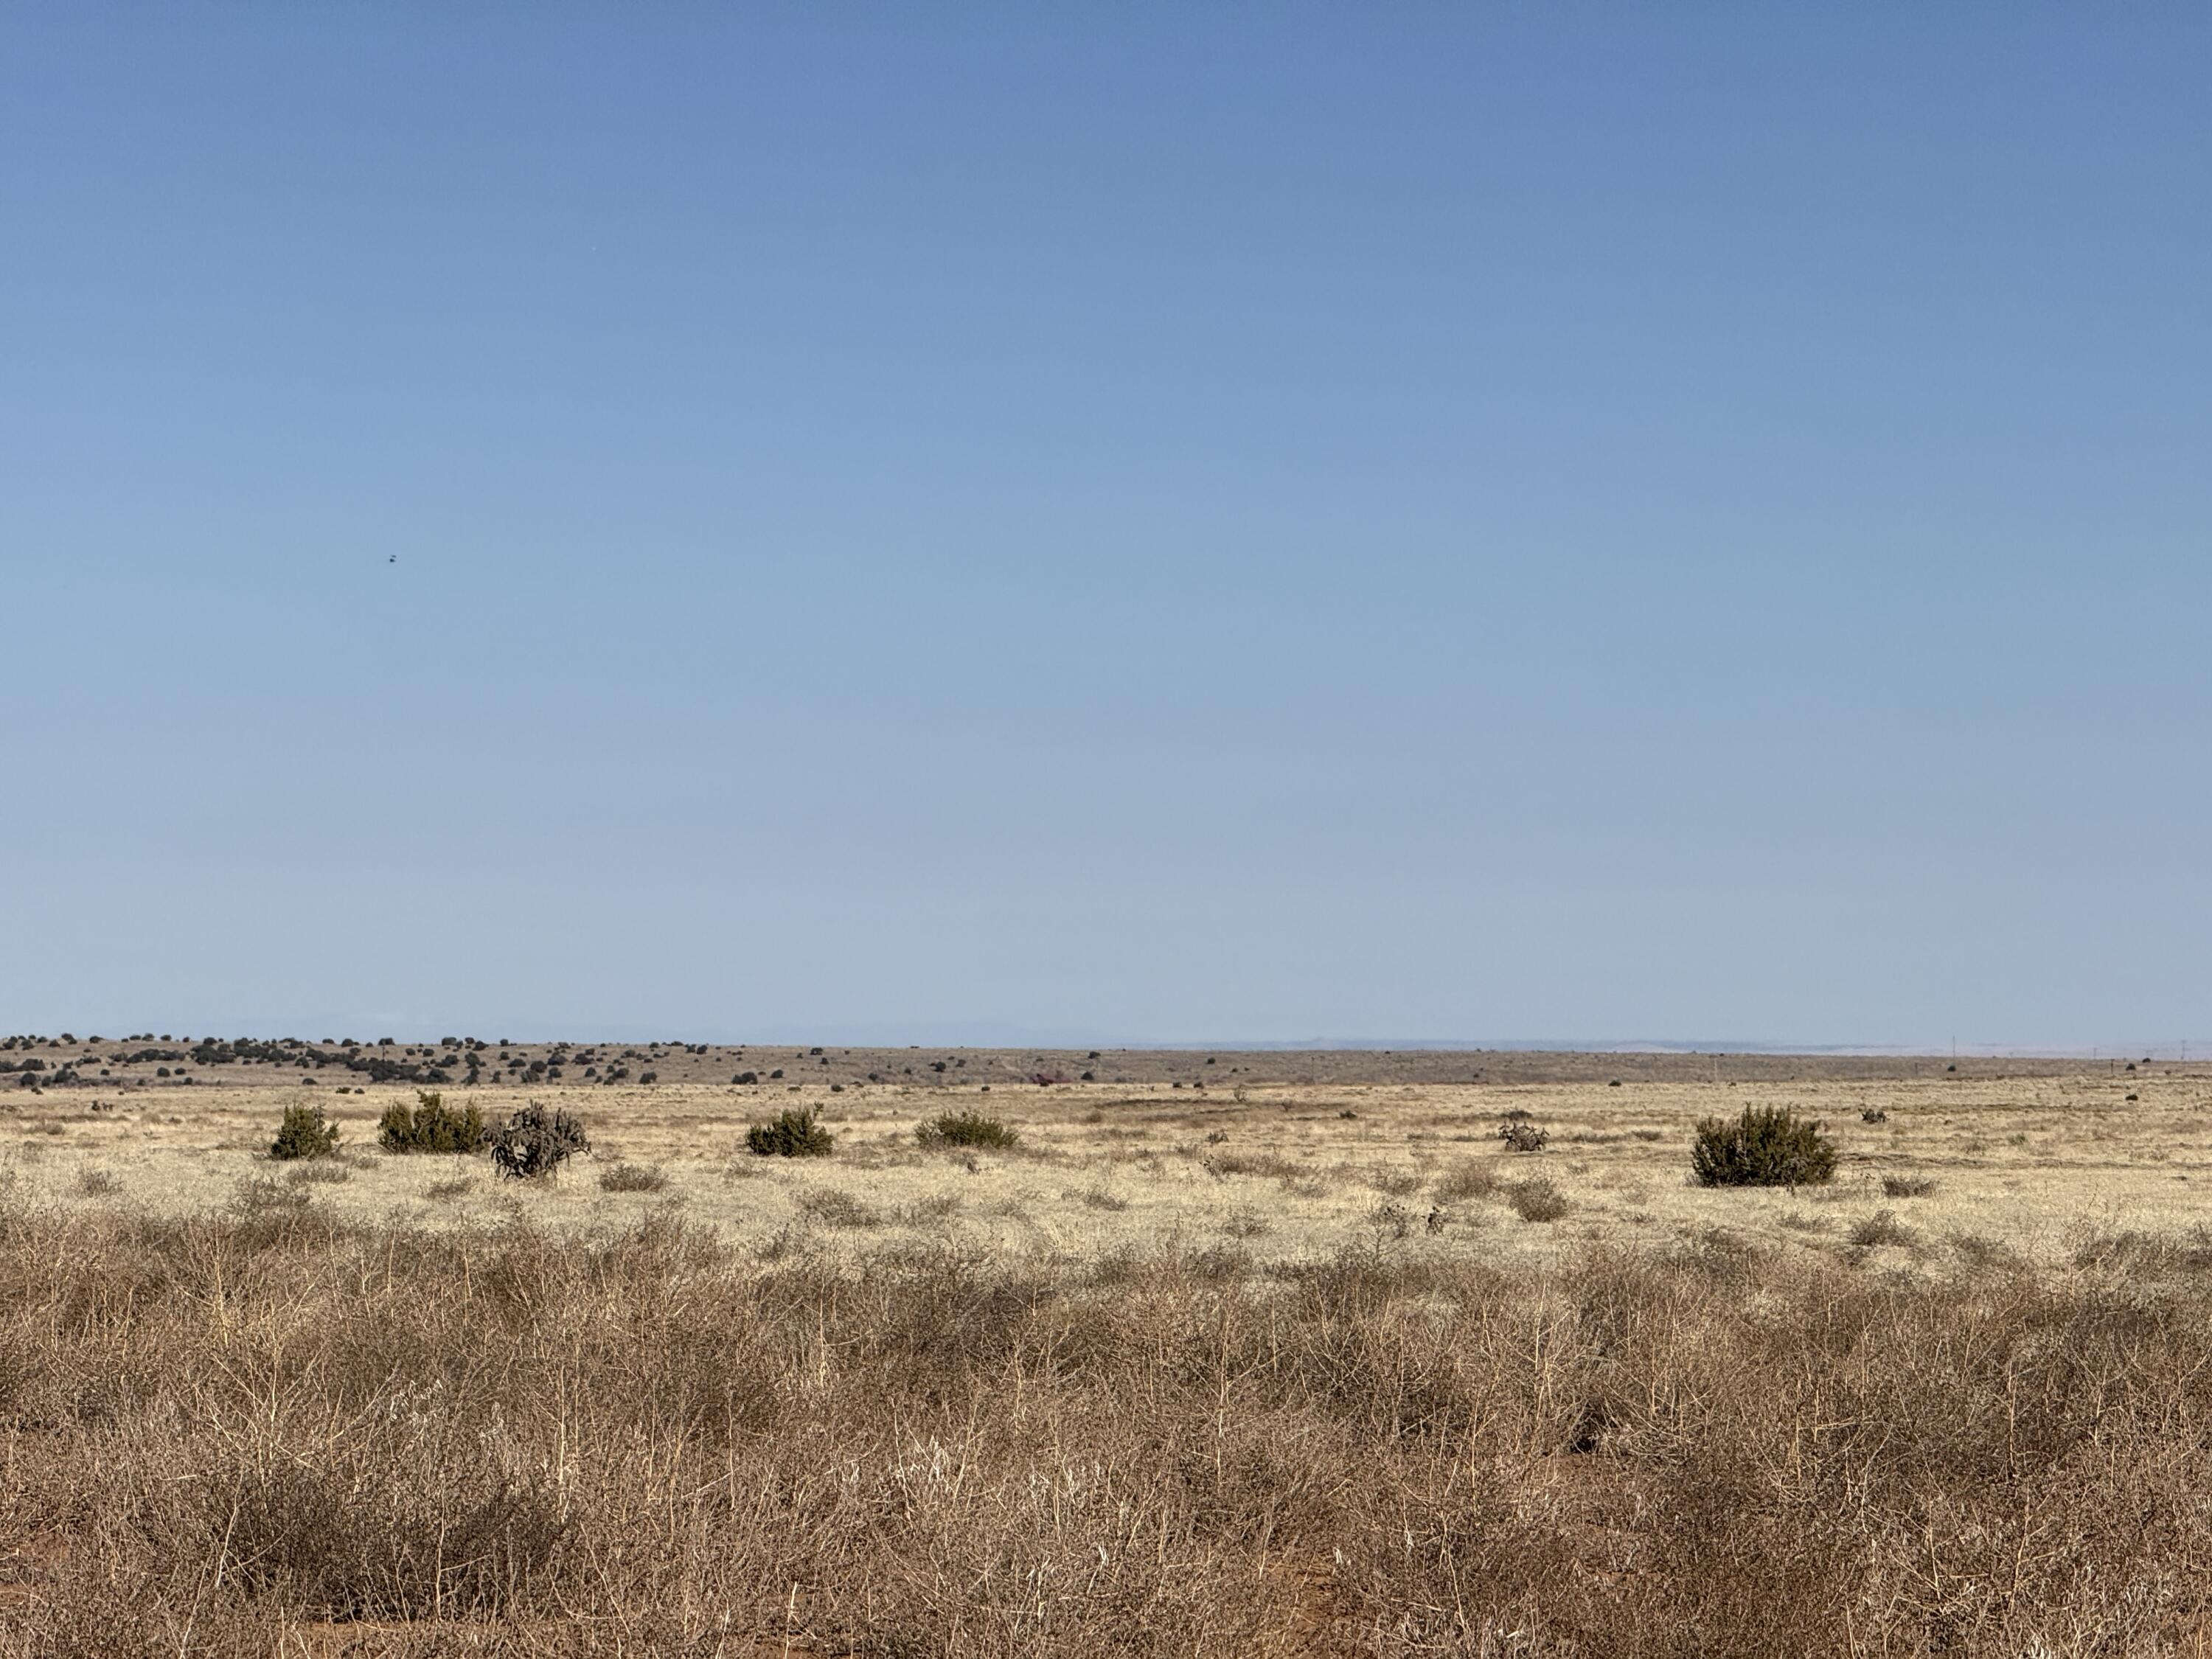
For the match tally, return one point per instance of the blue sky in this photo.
(1146, 522)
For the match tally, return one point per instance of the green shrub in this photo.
(304, 1132)
(966, 1129)
(790, 1135)
(430, 1126)
(536, 1142)
(1767, 1147)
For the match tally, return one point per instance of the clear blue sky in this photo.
(1173, 522)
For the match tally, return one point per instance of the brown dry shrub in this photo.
(1270, 1165)
(1881, 1227)
(632, 1178)
(1395, 1184)
(1538, 1200)
(833, 1206)
(1472, 1177)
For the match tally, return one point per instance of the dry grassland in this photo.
(1279, 1173)
(1321, 1369)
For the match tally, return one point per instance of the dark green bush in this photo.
(536, 1142)
(1767, 1147)
(967, 1129)
(790, 1135)
(430, 1126)
(304, 1132)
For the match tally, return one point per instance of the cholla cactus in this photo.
(536, 1142)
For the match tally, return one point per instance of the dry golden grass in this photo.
(1176, 1376)
(2028, 1164)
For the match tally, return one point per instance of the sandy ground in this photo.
(1252, 1170)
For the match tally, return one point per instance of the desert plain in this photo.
(1271, 1353)
(1277, 1155)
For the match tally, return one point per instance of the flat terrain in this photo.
(1277, 1156)
(1303, 1360)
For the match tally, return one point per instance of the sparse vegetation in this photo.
(927, 1211)
(1767, 1147)
(1407, 1426)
